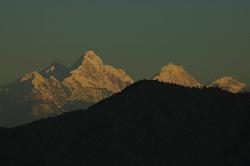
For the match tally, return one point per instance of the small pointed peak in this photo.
(53, 66)
(92, 57)
(34, 74)
(88, 58)
(31, 76)
(52, 78)
(55, 63)
(228, 83)
(55, 69)
(226, 79)
(171, 66)
(90, 52)
(172, 73)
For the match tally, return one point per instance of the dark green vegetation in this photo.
(148, 124)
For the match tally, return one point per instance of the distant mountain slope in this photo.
(30, 98)
(149, 123)
(177, 75)
(56, 70)
(58, 89)
(229, 84)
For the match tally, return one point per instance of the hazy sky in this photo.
(210, 38)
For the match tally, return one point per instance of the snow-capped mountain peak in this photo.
(172, 67)
(229, 84)
(172, 73)
(90, 71)
(93, 58)
(90, 59)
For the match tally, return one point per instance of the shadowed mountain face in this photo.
(59, 89)
(56, 70)
(149, 123)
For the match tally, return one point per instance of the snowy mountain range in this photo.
(58, 89)
(178, 75)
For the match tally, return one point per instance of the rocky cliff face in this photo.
(57, 89)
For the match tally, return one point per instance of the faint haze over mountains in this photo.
(58, 89)
(210, 38)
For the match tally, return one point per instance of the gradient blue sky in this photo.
(210, 38)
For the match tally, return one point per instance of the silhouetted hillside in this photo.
(148, 124)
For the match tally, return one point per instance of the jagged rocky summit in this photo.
(101, 80)
(59, 89)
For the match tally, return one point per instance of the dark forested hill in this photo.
(148, 124)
